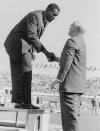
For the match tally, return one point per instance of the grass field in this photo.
(88, 122)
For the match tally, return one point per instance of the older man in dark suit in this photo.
(72, 77)
(21, 44)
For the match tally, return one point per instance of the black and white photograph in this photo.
(49, 65)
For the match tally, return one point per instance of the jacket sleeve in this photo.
(66, 60)
(33, 36)
(32, 32)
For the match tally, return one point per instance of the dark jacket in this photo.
(72, 71)
(29, 28)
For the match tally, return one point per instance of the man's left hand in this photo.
(54, 83)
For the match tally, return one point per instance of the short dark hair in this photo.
(53, 6)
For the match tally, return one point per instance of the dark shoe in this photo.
(18, 105)
(30, 106)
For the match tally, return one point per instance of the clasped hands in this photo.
(52, 57)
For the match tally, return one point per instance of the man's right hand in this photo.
(52, 57)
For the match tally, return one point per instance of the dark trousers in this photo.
(70, 109)
(21, 81)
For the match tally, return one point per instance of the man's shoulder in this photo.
(36, 12)
(71, 43)
(70, 40)
(36, 16)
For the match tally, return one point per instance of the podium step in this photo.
(2, 129)
(12, 119)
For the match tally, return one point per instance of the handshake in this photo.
(52, 57)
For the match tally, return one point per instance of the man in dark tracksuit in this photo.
(72, 78)
(21, 44)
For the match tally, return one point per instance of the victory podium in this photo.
(23, 119)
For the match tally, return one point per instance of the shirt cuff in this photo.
(58, 80)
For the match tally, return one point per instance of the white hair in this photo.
(78, 27)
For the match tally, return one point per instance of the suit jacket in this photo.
(72, 71)
(30, 27)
